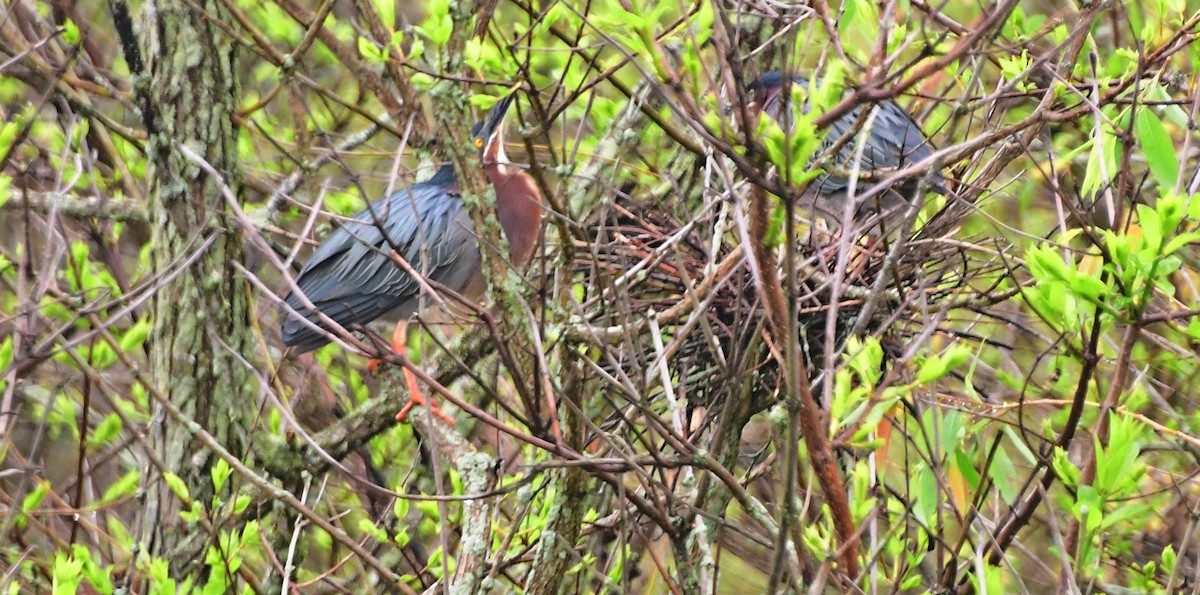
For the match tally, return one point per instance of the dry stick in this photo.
(1120, 374)
(1088, 474)
(819, 449)
(348, 57)
(1023, 511)
(870, 92)
(409, 95)
(76, 205)
(476, 469)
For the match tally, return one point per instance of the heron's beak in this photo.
(496, 117)
(494, 127)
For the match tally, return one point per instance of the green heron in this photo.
(893, 140)
(353, 279)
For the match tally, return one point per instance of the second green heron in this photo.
(890, 139)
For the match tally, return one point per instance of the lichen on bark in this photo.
(201, 318)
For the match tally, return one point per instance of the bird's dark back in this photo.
(352, 278)
(893, 140)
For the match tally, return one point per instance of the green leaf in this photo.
(5, 182)
(99, 577)
(1066, 471)
(35, 496)
(1004, 475)
(1013, 68)
(1171, 211)
(483, 101)
(241, 503)
(1014, 26)
(177, 485)
(938, 366)
(1117, 464)
(367, 527)
(1159, 149)
(368, 50)
(849, 16)
(106, 430)
(250, 534)
(416, 50)
(9, 131)
(133, 338)
(437, 25)
(102, 355)
(967, 468)
(1180, 241)
(843, 397)
(1168, 559)
(950, 430)
(32, 500)
(67, 575)
(441, 34)
(874, 416)
(1089, 508)
(866, 359)
(473, 53)
(1045, 263)
(430, 510)
(193, 514)
(831, 88)
(1089, 288)
(220, 474)
(387, 12)
(927, 495)
(1102, 163)
(160, 576)
(1151, 224)
(125, 486)
(6, 354)
(70, 32)
(1136, 512)
(702, 23)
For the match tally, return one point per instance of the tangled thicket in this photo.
(696, 386)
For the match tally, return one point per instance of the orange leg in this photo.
(415, 396)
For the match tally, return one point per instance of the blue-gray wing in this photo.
(892, 140)
(352, 278)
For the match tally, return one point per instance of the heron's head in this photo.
(767, 90)
(488, 135)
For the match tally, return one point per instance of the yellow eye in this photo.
(479, 143)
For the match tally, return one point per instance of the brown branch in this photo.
(820, 450)
(100, 207)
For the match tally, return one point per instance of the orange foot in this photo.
(416, 397)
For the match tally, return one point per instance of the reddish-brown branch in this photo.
(820, 451)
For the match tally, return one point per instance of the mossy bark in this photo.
(557, 546)
(202, 315)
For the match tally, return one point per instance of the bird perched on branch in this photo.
(353, 276)
(890, 139)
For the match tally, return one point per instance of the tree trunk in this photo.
(201, 316)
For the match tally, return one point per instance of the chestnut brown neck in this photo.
(518, 207)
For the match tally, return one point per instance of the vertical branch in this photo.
(477, 472)
(820, 450)
(556, 544)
